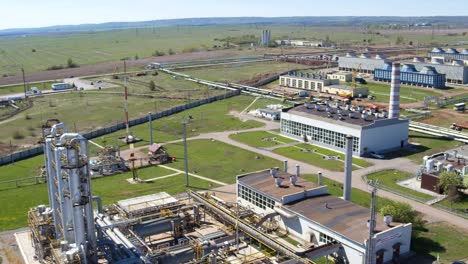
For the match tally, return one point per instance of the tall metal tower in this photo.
(372, 185)
(69, 188)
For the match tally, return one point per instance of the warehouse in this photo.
(305, 81)
(427, 77)
(327, 126)
(448, 55)
(342, 76)
(455, 72)
(364, 63)
(308, 212)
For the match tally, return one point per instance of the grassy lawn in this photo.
(218, 160)
(20, 88)
(240, 72)
(408, 94)
(213, 117)
(262, 102)
(152, 172)
(316, 159)
(20, 169)
(255, 139)
(16, 202)
(390, 178)
(424, 145)
(441, 239)
(460, 204)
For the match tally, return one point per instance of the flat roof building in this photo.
(342, 76)
(327, 125)
(428, 76)
(308, 212)
(449, 55)
(364, 63)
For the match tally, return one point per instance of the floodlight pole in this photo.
(24, 82)
(370, 242)
(184, 124)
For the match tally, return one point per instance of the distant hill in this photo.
(259, 21)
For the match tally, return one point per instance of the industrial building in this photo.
(316, 83)
(327, 123)
(334, 225)
(427, 77)
(453, 160)
(59, 86)
(303, 43)
(455, 72)
(266, 38)
(364, 63)
(449, 55)
(342, 76)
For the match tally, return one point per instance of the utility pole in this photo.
(150, 128)
(24, 82)
(184, 124)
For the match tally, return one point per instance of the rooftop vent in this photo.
(365, 56)
(437, 61)
(458, 63)
(452, 51)
(437, 50)
(418, 59)
(351, 54)
(278, 181)
(464, 51)
(380, 56)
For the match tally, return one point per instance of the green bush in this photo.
(18, 135)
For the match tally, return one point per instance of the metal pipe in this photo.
(119, 234)
(319, 178)
(98, 200)
(285, 165)
(348, 168)
(56, 127)
(298, 170)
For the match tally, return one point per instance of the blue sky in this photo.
(38, 13)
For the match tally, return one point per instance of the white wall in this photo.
(384, 138)
(399, 234)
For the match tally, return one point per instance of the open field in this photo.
(20, 88)
(390, 178)
(316, 157)
(213, 117)
(127, 43)
(255, 139)
(218, 160)
(240, 72)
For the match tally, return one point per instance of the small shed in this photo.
(269, 113)
(459, 107)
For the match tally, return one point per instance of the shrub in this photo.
(171, 52)
(28, 117)
(400, 212)
(55, 67)
(33, 50)
(158, 53)
(18, 135)
(71, 64)
(136, 57)
(152, 85)
(448, 180)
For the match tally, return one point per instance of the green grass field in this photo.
(262, 102)
(16, 202)
(390, 178)
(409, 94)
(94, 47)
(425, 145)
(240, 72)
(218, 160)
(213, 117)
(20, 88)
(255, 139)
(314, 158)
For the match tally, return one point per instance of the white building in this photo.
(270, 113)
(333, 225)
(328, 125)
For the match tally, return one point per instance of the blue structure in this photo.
(449, 54)
(428, 76)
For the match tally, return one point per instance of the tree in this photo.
(400, 40)
(152, 85)
(448, 180)
(171, 52)
(69, 62)
(400, 212)
(136, 57)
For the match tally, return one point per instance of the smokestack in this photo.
(348, 168)
(285, 165)
(319, 178)
(394, 104)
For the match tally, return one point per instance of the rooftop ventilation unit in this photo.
(351, 54)
(418, 59)
(380, 56)
(437, 61)
(365, 56)
(437, 50)
(458, 63)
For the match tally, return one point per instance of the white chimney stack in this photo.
(348, 168)
(394, 104)
(319, 178)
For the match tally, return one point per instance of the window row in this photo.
(255, 198)
(317, 134)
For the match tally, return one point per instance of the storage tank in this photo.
(429, 165)
(439, 166)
